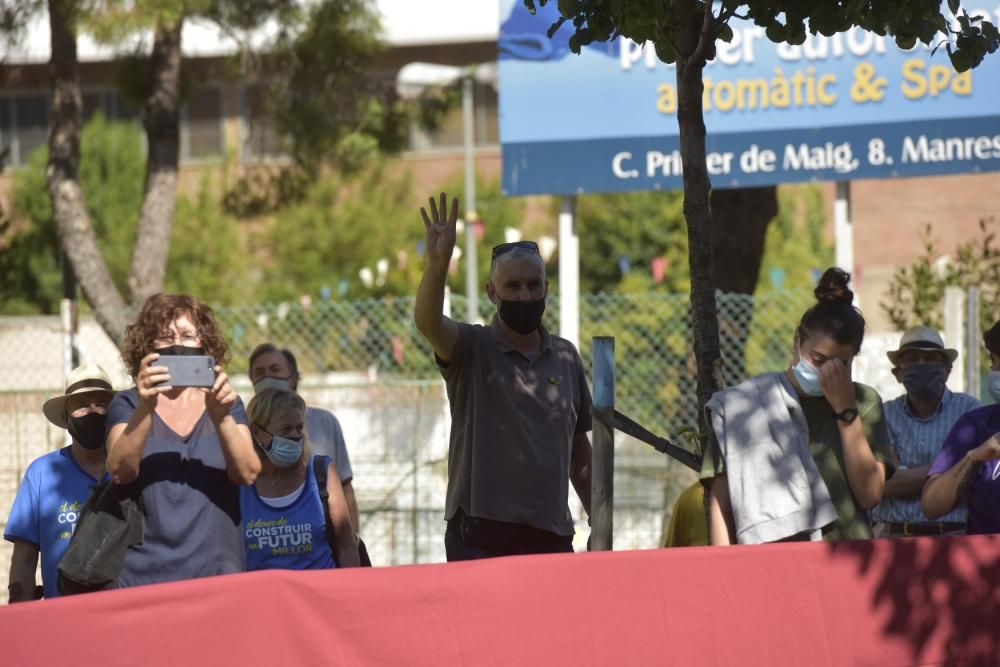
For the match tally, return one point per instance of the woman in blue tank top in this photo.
(284, 526)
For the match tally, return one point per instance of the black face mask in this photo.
(923, 382)
(180, 351)
(522, 316)
(88, 430)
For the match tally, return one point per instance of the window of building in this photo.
(126, 110)
(24, 119)
(98, 101)
(6, 130)
(202, 125)
(24, 125)
(451, 133)
(260, 134)
(32, 117)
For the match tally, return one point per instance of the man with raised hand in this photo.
(520, 405)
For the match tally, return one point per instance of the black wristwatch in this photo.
(847, 416)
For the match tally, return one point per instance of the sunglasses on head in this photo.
(504, 248)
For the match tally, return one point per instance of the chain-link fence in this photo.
(656, 367)
(364, 361)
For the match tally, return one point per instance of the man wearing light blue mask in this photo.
(968, 466)
(275, 368)
(918, 422)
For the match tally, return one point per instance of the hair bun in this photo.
(833, 287)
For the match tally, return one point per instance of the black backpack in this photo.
(320, 464)
(109, 523)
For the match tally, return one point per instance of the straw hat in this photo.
(81, 380)
(922, 338)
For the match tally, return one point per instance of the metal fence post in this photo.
(972, 378)
(954, 334)
(602, 487)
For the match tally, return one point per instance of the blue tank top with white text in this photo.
(289, 538)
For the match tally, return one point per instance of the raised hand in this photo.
(440, 227)
(220, 398)
(146, 383)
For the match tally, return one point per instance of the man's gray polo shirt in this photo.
(513, 423)
(327, 438)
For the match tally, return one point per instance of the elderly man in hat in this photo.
(919, 421)
(56, 484)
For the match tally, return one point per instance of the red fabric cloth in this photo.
(882, 602)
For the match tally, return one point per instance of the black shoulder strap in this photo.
(320, 464)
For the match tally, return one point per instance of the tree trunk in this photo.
(697, 211)
(741, 218)
(162, 123)
(75, 230)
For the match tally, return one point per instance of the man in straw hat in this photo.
(919, 421)
(56, 485)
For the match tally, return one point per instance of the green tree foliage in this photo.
(796, 246)
(327, 313)
(642, 226)
(908, 21)
(346, 224)
(496, 213)
(324, 101)
(628, 231)
(796, 252)
(326, 106)
(655, 367)
(29, 250)
(111, 176)
(916, 293)
(206, 257)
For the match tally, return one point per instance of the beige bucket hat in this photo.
(922, 338)
(82, 380)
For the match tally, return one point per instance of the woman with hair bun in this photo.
(799, 454)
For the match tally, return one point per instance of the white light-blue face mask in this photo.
(807, 376)
(271, 383)
(993, 385)
(283, 452)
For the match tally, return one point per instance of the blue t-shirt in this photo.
(190, 508)
(46, 509)
(289, 538)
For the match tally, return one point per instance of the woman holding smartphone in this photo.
(182, 451)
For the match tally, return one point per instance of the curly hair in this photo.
(154, 321)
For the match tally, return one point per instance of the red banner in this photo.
(925, 601)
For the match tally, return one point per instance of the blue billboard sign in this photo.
(844, 107)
